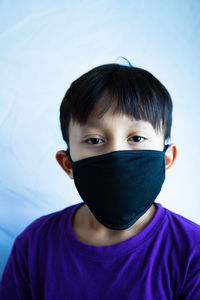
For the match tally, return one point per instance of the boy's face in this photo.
(111, 133)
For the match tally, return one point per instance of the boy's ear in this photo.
(170, 156)
(64, 162)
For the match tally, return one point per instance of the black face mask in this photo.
(120, 186)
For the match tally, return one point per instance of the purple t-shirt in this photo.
(48, 261)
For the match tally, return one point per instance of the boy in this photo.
(118, 243)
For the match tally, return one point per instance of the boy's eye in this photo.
(137, 138)
(93, 141)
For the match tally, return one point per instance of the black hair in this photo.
(137, 92)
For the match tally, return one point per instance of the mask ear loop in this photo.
(68, 155)
(166, 147)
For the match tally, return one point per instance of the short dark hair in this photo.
(138, 93)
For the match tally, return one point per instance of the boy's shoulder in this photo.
(182, 228)
(45, 225)
(182, 221)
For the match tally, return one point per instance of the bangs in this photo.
(133, 106)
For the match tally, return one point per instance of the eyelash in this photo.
(86, 141)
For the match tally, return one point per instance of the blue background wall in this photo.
(44, 46)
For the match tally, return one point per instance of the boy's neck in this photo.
(88, 230)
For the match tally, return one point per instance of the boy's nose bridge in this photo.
(117, 146)
(117, 141)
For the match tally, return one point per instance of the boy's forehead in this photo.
(118, 120)
(92, 122)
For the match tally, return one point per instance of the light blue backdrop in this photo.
(44, 46)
